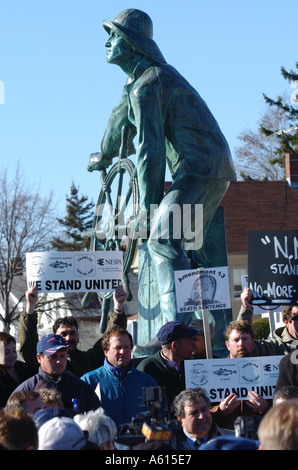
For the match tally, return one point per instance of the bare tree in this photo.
(27, 223)
(256, 155)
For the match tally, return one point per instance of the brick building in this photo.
(257, 205)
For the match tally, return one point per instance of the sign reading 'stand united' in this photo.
(273, 267)
(74, 271)
(221, 377)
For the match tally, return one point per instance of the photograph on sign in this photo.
(221, 377)
(202, 289)
(74, 271)
(273, 267)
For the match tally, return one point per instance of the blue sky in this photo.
(59, 90)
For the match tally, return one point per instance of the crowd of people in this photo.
(58, 397)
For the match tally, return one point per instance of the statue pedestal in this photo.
(149, 318)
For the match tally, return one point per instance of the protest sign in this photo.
(75, 271)
(273, 267)
(202, 289)
(221, 377)
(263, 309)
(259, 308)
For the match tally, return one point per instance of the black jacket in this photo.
(69, 386)
(172, 380)
(288, 370)
(8, 384)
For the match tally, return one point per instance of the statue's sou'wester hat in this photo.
(136, 28)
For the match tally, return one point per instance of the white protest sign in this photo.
(221, 377)
(202, 289)
(75, 271)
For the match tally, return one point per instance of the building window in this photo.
(278, 318)
(237, 274)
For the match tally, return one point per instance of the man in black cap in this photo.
(51, 354)
(167, 365)
(174, 126)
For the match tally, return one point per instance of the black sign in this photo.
(273, 267)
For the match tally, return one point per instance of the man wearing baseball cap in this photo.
(51, 353)
(79, 362)
(167, 365)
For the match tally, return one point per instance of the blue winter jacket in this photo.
(120, 393)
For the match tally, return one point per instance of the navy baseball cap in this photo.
(42, 416)
(49, 344)
(174, 330)
(230, 443)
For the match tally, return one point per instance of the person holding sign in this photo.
(79, 361)
(283, 336)
(240, 343)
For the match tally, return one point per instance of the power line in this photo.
(284, 131)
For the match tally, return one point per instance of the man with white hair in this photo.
(100, 427)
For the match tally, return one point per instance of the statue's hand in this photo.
(98, 162)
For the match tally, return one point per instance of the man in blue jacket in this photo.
(117, 383)
(52, 357)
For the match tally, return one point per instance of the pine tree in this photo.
(288, 138)
(78, 218)
(261, 154)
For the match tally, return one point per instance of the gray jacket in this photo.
(281, 343)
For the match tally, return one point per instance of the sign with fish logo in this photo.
(74, 271)
(221, 377)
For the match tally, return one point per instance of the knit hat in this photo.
(42, 416)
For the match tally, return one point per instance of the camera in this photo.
(247, 426)
(153, 425)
